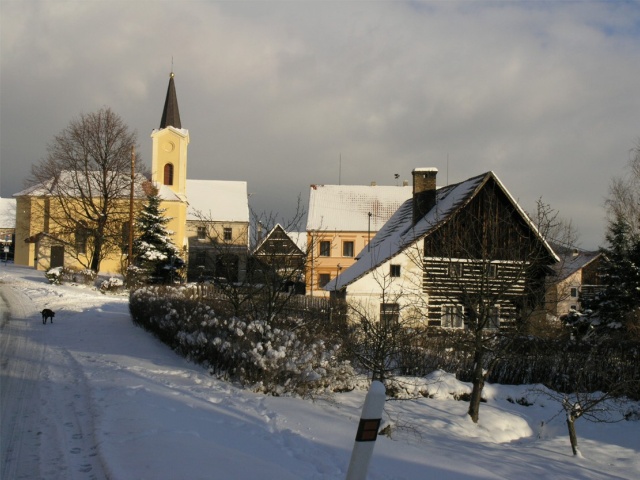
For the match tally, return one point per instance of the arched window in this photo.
(168, 174)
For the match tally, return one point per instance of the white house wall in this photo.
(377, 286)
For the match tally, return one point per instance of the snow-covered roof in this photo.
(181, 131)
(218, 200)
(574, 260)
(69, 181)
(165, 193)
(7, 213)
(400, 232)
(347, 207)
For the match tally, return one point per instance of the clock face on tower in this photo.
(168, 146)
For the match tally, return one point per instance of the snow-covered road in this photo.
(92, 396)
(47, 423)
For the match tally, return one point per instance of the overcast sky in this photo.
(286, 94)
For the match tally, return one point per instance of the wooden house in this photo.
(449, 255)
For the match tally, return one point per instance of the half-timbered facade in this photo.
(451, 255)
(283, 255)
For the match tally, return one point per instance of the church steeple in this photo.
(170, 113)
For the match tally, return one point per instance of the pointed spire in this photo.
(170, 114)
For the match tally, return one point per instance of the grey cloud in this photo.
(275, 93)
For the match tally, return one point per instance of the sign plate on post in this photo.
(368, 430)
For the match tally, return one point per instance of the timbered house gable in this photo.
(480, 254)
(277, 243)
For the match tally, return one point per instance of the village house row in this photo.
(389, 247)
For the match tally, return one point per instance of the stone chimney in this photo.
(424, 191)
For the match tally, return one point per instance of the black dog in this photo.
(46, 313)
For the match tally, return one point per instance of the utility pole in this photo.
(133, 168)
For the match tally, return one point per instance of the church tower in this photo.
(169, 147)
(169, 167)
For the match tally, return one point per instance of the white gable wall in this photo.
(377, 286)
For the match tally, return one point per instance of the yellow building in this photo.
(49, 235)
(341, 221)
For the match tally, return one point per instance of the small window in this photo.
(455, 270)
(347, 249)
(125, 238)
(389, 314)
(228, 234)
(452, 316)
(168, 174)
(494, 318)
(574, 292)
(492, 270)
(47, 214)
(82, 235)
(202, 233)
(323, 279)
(201, 258)
(325, 249)
(394, 270)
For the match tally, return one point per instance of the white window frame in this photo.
(389, 314)
(455, 270)
(449, 318)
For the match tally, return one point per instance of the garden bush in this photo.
(278, 356)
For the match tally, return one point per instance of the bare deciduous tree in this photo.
(379, 340)
(623, 201)
(598, 407)
(269, 277)
(87, 174)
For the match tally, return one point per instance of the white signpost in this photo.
(367, 432)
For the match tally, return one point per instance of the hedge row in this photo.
(284, 355)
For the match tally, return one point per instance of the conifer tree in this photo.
(153, 248)
(619, 303)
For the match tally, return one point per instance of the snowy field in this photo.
(92, 396)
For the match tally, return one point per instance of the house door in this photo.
(57, 257)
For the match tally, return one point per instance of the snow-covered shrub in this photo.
(60, 275)
(135, 276)
(280, 356)
(85, 276)
(113, 284)
(55, 275)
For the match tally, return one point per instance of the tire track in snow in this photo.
(47, 416)
(68, 400)
(21, 361)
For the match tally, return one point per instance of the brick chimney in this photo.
(424, 191)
